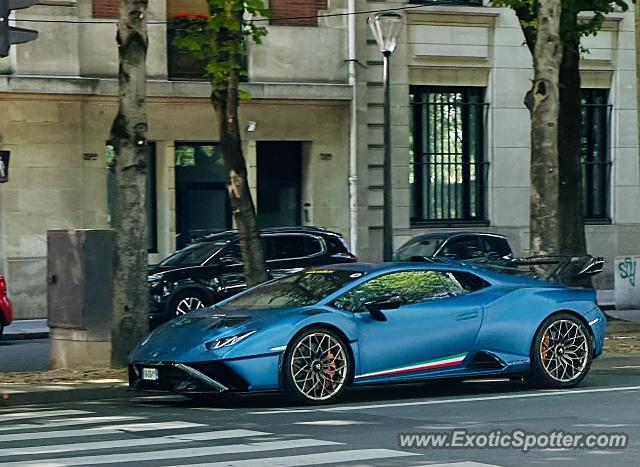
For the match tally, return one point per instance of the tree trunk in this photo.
(571, 209)
(130, 295)
(225, 104)
(544, 105)
(225, 99)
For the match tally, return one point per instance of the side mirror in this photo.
(375, 307)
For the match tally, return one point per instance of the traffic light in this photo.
(11, 35)
(4, 166)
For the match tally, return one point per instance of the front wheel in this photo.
(561, 353)
(317, 366)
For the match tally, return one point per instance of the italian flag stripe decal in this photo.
(430, 365)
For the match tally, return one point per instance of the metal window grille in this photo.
(596, 162)
(448, 172)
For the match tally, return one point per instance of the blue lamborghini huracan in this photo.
(320, 330)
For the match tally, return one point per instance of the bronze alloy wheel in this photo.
(318, 366)
(562, 352)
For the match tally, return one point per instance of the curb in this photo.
(83, 393)
(18, 336)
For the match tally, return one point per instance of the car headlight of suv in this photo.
(154, 280)
(228, 341)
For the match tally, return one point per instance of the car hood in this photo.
(181, 337)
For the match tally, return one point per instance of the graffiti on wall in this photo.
(627, 270)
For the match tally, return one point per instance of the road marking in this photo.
(131, 457)
(601, 425)
(125, 443)
(68, 422)
(42, 414)
(625, 367)
(559, 392)
(340, 457)
(101, 430)
(333, 422)
(461, 464)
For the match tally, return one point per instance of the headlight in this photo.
(228, 341)
(154, 279)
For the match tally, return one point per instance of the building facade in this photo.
(312, 130)
(461, 132)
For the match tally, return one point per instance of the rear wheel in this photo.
(186, 301)
(317, 366)
(561, 353)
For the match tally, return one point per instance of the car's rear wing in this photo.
(568, 270)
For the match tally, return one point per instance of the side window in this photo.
(233, 254)
(335, 245)
(289, 246)
(496, 246)
(410, 286)
(313, 244)
(463, 248)
(469, 282)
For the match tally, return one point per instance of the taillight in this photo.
(3, 285)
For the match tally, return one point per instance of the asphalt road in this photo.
(24, 355)
(361, 431)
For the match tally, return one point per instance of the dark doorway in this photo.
(202, 206)
(279, 183)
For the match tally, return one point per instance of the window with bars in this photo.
(448, 172)
(596, 163)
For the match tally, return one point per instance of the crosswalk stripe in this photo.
(40, 414)
(125, 443)
(67, 422)
(174, 453)
(101, 430)
(461, 464)
(310, 459)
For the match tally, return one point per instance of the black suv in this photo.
(210, 269)
(455, 245)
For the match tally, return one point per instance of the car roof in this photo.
(229, 234)
(494, 277)
(457, 234)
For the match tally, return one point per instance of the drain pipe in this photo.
(353, 128)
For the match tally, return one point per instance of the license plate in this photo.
(150, 374)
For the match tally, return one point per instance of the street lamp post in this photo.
(385, 28)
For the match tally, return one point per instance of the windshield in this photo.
(301, 289)
(418, 247)
(195, 254)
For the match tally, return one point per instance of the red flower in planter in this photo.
(181, 16)
(202, 16)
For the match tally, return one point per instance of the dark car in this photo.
(455, 245)
(211, 268)
(6, 314)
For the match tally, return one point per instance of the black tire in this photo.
(1, 330)
(561, 352)
(325, 376)
(180, 303)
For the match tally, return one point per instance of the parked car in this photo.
(317, 331)
(455, 245)
(211, 269)
(6, 314)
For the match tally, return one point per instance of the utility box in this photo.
(79, 297)
(627, 282)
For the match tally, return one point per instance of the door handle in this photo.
(467, 315)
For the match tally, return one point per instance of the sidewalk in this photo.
(26, 329)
